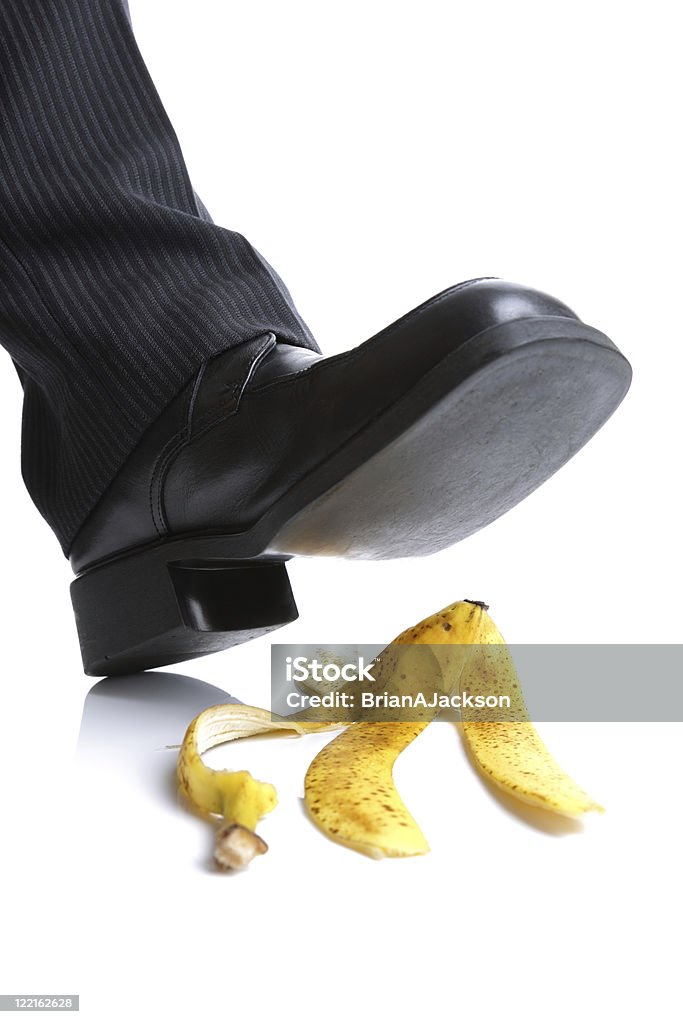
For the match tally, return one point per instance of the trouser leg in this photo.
(114, 283)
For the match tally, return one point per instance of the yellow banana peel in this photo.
(350, 792)
(349, 786)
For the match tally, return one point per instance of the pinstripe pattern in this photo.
(114, 283)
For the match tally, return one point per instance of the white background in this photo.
(377, 152)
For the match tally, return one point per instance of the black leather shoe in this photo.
(402, 446)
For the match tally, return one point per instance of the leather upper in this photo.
(255, 419)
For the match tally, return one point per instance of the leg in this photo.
(114, 283)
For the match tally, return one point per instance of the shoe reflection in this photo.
(127, 749)
(143, 712)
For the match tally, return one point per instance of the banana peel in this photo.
(349, 787)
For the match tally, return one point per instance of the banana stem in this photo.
(236, 846)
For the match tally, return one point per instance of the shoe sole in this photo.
(475, 436)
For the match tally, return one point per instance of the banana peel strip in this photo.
(236, 796)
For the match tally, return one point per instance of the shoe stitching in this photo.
(190, 431)
(156, 478)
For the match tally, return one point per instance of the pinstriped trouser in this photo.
(114, 283)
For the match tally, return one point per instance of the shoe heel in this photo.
(143, 611)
